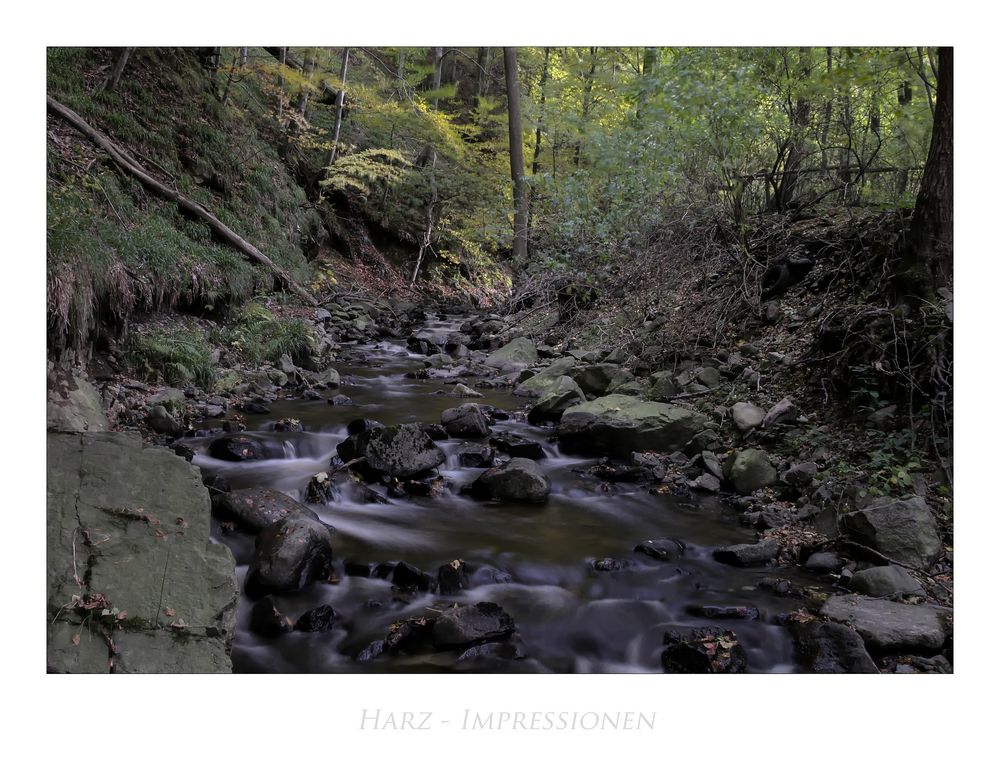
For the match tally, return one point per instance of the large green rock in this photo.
(73, 403)
(620, 425)
(600, 378)
(750, 470)
(541, 384)
(520, 352)
(131, 524)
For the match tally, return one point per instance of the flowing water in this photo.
(534, 561)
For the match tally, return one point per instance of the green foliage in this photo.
(367, 170)
(257, 336)
(179, 356)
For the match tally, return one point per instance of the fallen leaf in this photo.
(76, 639)
(169, 612)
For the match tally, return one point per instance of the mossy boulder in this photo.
(542, 382)
(399, 451)
(750, 470)
(519, 353)
(620, 425)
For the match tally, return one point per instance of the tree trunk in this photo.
(798, 119)
(648, 66)
(520, 246)
(438, 59)
(128, 164)
(232, 73)
(340, 109)
(536, 157)
(928, 250)
(587, 88)
(310, 66)
(483, 62)
(116, 70)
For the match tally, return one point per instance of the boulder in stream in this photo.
(288, 555)
(255, 508)
(399, 451)
(465, 421)
(519, 479)
(704, 650)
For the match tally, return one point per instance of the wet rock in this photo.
(611, 564)
(885, 581)
(485, 575)
(253, 509)
(471, 625)
(550, 408)
(705, 650)
(750, 470)
(903, 529)
(359, 425)
(409, 578)
(435, 431)
(618, 425)
(663, 549)
(519, 479)
(492, 654)
(160, 421)
(257, 406)
(747, 416)
(288, 555)
(800, 474)
(399, 451)
(320, 489)
(461, 390)
(516, 446)
(243, 448)
(357, 569)
(453, 577)
(341, 400)
(831, 648)
(739, 612)
(519, 353)
(476, 456)
(288, 424)
(784, 412)
(322, 618)
(465, 421)
(890, 626)
(267, 620)
(824, 562)
(748, 554)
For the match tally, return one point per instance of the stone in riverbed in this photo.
(598, 379)
(243, 448)
(322, 618)
(160, 421)
(255, 508)
(903, 529)
(831, 648)
(453, 577)
(748, 554)
(475, 456)
(663, 549)
(549, 380)
(550, 408)
(288, 555)
(885, 581)
(267, 620)
(471, 625)
(517, 447)
(784, 412)
(823, 562)
(399, 451)
(465, 421)
(890, 626)
(409, 578)
(705, 650)
(618, 425)
(519, 479)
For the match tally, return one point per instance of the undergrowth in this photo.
(257, 336)
(179, 356)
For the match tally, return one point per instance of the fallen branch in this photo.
(123, 160)
(848, 544)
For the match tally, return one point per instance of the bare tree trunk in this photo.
(129, 165)
(483, 62)
(310, 66)
(923, 76)
(340, 109)
(536, 158)
(827, 109)
(798, 119)
(520, 246)
(116, 70)
(929, 240)
(587, 88)
(425, 243)
(242, 62)
(438, 59)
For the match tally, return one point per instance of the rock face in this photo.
(465, 421)
(288, 555)
(472, 625)
(255, 508)
(520, 479)
(885, 581)
(901, 529)
(750, 470)
(519, 353)
(132, 522)
(831, 648)
(73, 404)
(618, 425)
(705, 650)
(891, 626)
(399, 451)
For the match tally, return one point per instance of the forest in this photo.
(522, 360)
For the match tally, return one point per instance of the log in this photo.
(126, 163)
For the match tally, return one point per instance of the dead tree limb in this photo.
(124, 161)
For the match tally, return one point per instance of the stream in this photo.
(534, 561)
